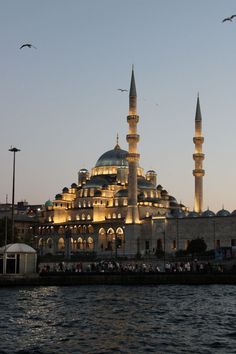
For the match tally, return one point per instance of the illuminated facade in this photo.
(106, 210)
(118, 210)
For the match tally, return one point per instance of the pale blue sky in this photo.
(61, 107)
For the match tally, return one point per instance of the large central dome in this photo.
(116, 157)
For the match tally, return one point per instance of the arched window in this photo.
(49, 243)
(61, 244)
(89, 243)
(102, 239)
(90, 229)
(80, 243)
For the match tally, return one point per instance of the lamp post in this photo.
(14, 150)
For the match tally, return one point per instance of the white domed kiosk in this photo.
(18, 258)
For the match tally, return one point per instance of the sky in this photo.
(60, 104)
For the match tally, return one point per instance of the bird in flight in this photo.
(229, 18)
(122, 90)
(27, 45)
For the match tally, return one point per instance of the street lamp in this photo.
(14, 150)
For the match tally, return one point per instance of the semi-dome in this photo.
(74, 185)
(96, 182)
(208, 213)
(122, 193)
(115, 157)
(65, 190)
(58, 196)
(144, 184)
(233, 212)
(223, 212)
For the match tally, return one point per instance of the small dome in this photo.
(17, 248)
(233, 212)
(151, 172)
(83, 170)
(193, 214)
(208, 213)
(74, 185)
(48, 203)
(164, 192)
(159, 187)
(223, 212)
(178, 213)
(115, 157)
(122, 193)
(65, 190)
(58, 196)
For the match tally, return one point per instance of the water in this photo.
(116, 319)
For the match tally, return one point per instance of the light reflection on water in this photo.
(115, 319)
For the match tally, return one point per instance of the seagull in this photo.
(229, 18)
(28, 45)
(122, 90)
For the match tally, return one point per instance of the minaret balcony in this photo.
(132, 118)
(133, 157)
(198, 140)
(198, 157)
(198, 172)
(132, 138)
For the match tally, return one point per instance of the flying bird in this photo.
(28, 45)
(229, 18)
(122, 90)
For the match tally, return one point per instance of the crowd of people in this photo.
(114, 266)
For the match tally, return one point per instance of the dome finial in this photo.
(117, 142)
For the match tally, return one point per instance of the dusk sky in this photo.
(60, 104)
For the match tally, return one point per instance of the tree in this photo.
(197, 246)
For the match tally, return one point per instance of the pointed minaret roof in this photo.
(198, 116)
(132, 95)
(132, 91)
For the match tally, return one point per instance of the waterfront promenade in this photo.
(107, 273)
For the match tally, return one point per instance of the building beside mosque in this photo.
(117, 209)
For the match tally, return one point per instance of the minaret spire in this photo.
(132, 138)
(198, 157)
(132, 96)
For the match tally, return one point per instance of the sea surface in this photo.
(118, 319)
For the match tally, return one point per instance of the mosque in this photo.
(119, 210)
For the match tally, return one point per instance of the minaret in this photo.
(198, 157)
(132, 138)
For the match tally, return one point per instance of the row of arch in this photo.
(107, 240)
(73, 230)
